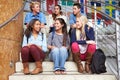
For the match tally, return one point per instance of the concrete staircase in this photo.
(71, 70)
(48, 74)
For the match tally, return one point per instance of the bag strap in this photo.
(53, 33)
(27, 40)
(42, 36)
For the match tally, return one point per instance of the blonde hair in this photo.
(32, 4)
(84, 21)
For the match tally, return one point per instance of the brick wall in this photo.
(10, 36)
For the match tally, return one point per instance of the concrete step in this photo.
(48, 67)
(68, 76)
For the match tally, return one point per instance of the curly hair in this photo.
(29, 29)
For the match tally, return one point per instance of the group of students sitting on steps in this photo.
(80, 40)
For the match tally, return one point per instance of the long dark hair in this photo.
(29, 29)
(54, 15)
(64, 30)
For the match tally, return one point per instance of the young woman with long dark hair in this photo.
(56, 14)
(33, 47)
(58, 43)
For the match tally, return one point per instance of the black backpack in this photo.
(98, 62)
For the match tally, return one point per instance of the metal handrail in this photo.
(109, 4)
(106, 15)
(14, 16)
(116, 21)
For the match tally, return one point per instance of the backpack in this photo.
(98, 62)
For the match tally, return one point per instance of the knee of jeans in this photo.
(75, 47)
(25, 48)
(32, 47)
(55, 50)
(63, 49)
(91, 48)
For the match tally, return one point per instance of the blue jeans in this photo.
(59, 56)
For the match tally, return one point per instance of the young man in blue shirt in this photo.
(76, 13)
(35, 14)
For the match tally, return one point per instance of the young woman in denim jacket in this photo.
(33, 47)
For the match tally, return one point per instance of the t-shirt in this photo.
(57, 40)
